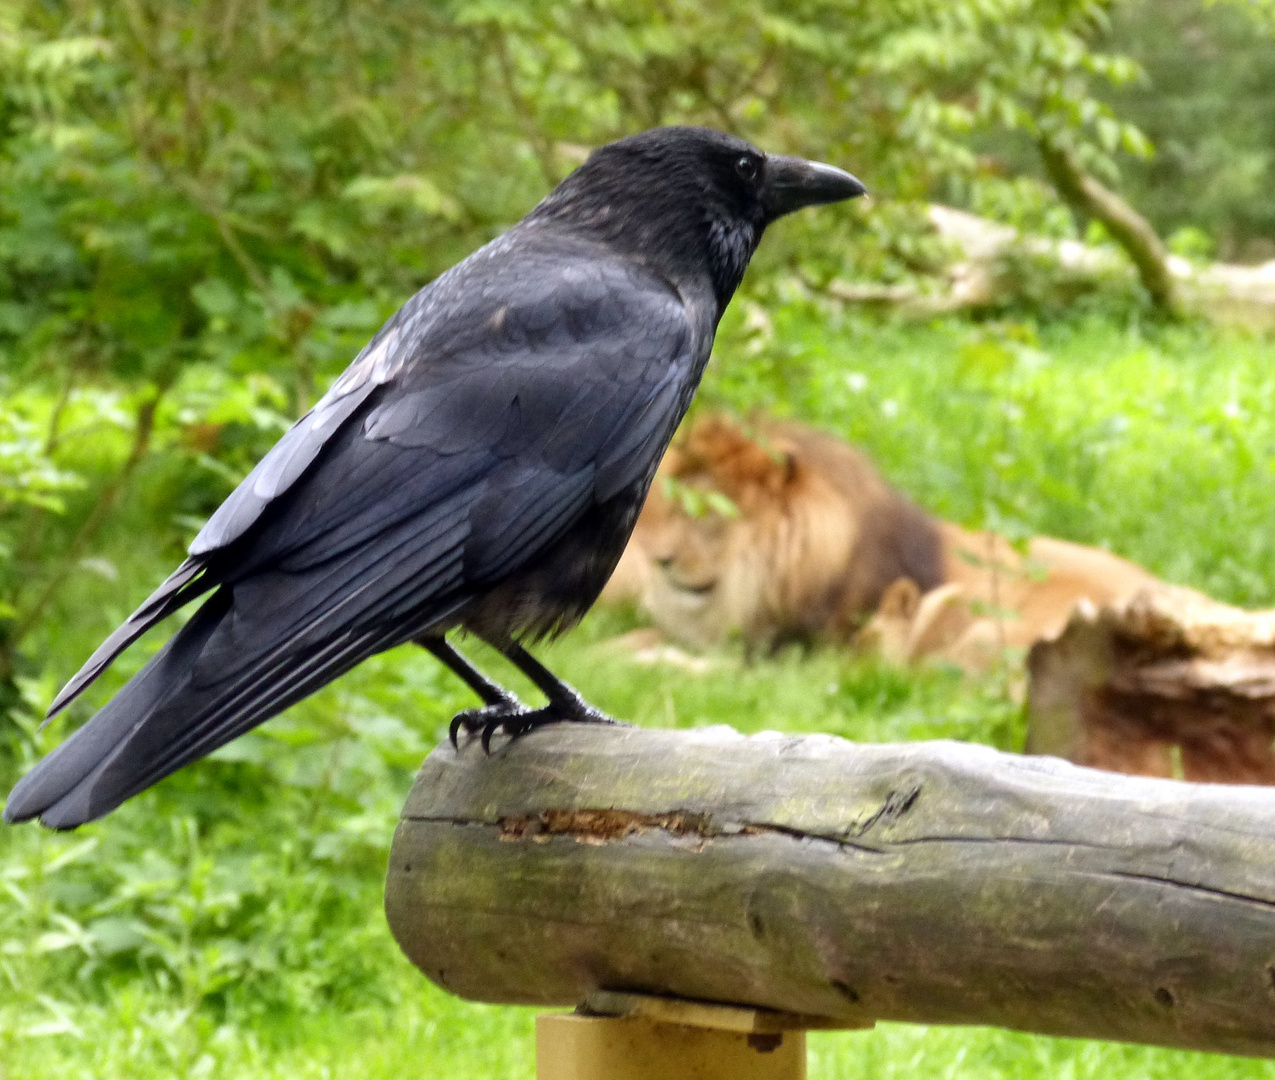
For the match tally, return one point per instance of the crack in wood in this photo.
(601, 826)
(1225, 894)
(896, 803)
(609, 825)
(841, 840)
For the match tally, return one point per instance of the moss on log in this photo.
(935, 882)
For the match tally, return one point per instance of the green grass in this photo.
(228, 922)
(1157, 443)
(426, 1033)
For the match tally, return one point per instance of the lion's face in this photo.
(742, 538)
(701, 588)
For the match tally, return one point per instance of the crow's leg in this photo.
(499, 705)
(565, 701)
(491, 693)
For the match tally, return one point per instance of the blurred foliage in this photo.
(1207, 101)
(206, 208)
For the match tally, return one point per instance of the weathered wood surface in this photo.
(933, 882)
(1167, 682)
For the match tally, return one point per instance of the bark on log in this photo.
(939, 883)
(1166, 683)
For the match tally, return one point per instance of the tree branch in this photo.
(1088, 196)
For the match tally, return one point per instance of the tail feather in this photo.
(76, 760)
(161, 719)
(182, 586)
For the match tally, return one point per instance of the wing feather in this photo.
(182, 586)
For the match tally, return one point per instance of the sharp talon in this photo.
(514, 719)
(484, 719)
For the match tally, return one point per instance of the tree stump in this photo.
(932, 882)
(1168, 683)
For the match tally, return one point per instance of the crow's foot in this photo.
(567, 704)
(476, 720)
(515, 719)
(527, 720)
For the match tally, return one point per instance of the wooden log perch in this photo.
(1165, 683)
(933, 882)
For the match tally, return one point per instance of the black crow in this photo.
(479, 466)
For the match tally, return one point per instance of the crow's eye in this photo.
(746, 166)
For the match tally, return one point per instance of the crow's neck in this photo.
(693, 247)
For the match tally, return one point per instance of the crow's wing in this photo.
(549, 396)
(376, 365)
(500, 425)
(445, 369)
(282, 465)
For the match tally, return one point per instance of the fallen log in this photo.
(986, 271)
(1164, 683)
(933, 882)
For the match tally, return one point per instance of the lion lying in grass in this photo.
(786, 536)
(790, 535)
(993, 598)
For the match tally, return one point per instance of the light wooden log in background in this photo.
(932, 882)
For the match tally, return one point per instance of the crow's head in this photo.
(690, 201)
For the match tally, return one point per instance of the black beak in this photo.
(793, 182)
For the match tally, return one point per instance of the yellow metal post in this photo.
(619, 1036)
(571, 1047)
